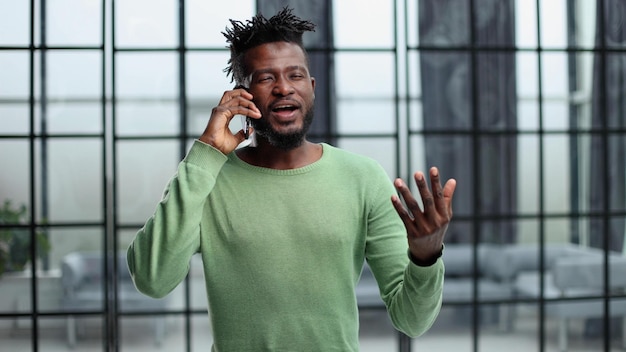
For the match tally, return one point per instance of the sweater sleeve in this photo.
(411, 293)
(158, 257)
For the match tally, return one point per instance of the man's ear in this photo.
(313, 86)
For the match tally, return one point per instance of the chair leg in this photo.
(159, 330)
(624, 333)
(71, 331)
(563, 334)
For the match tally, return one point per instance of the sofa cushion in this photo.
(459, 258)
(459, 290)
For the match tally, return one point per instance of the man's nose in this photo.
(283, 87)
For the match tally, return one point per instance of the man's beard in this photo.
(284, 141)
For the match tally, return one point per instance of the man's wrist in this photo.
(428, 262)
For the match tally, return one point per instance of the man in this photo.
(283, 228)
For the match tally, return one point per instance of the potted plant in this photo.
(15, 242)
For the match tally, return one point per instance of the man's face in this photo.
(283, 91)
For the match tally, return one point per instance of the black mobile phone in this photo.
(245, 120)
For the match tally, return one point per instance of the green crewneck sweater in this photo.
(282, 250)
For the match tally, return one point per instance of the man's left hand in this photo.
(425, 227)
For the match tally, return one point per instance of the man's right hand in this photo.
(217, 133)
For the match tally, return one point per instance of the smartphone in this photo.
(245, 120)
(246, 123)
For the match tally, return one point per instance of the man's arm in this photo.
(158, 258)
(411, 286)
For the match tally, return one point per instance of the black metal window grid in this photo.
(406, 136)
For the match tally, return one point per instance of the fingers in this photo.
(217, 133)
(437, 203)
(238, 102)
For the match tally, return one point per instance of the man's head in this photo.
(282, 27)
(268, 58)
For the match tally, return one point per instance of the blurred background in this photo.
(521, 101)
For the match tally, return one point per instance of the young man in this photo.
(283, 228)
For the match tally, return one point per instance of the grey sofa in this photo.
(82, 278)
(507, 274)
(574, 287)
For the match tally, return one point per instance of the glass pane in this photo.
(556, 173)
(205, 76)
(147, 75)
(527, 68)
(199, 113)
(528, 115)
(586, 23)
(553, 14)
(554, 78)
(147, 118)
(616, 169)
(67, 240)
(415, 83)
(370, 116)
(528, 174)
(202, 338)
(496, 95)
(146, 23)
(15, 74)
(70, 22)
(79, 118)
(615, 89)
(16, 333)
(452, 331)
(152, 332)
(614, 24)
(205, 21)
(15, 118)
(366, 76)
(556, 115)
(74, 185)
(16, 275)
(15, 175)
(376, 332)
(412, 23)
(55, 336)
(526, 23)
(365, 24)
(557, 230)
(143, 170)
(416, 116)
(528, 230)
(447, 25)
(74, 74)
(382, 150)
(14, 23)
(446, 90)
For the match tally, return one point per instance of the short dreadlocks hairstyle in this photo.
(282, 27)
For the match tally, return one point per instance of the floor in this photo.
(448, 334)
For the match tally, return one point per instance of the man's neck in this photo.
(269, 156)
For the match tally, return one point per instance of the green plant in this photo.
(15, 242)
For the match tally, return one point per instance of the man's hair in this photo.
(282, 27)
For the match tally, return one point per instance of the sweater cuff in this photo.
(205, 156)
(425, 263)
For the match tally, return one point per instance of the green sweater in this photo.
(282, 250)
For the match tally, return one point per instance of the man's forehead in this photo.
(275, 56)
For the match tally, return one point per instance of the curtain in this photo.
(318, 44)
(468, 99)
(608, 148)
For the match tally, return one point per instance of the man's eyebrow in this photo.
(271, 69)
